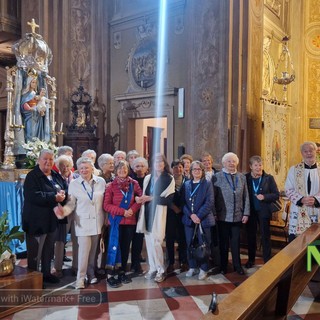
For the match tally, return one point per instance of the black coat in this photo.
(268, 188)
(39, 200)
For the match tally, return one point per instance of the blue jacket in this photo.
(203, 203)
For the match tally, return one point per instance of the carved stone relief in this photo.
(275, 6)
(205, 86)
(142, 62)
(81, 40)
(268, 68)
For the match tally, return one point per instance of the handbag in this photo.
(276, 206)
(199, 251)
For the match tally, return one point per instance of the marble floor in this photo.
(177, 297)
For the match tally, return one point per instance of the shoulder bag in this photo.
(199, 251)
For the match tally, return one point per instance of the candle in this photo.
(54, 125)
(61, 127)
(14, 119)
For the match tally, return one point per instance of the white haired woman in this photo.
(232, 209)
(86, 195)
(64, 164)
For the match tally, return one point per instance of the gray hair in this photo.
(82, 160)
(43, 151)
(63, 150)
(104, 158)
(63, 159)
(132, 153)
(200, 164)
(230, 155)
(255, 159)
(118, 152)
(308, 143)
(89, 151)
(138, 160)
(121, 163)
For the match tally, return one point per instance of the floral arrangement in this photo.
(33, 149)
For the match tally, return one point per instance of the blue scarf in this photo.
(114, 253)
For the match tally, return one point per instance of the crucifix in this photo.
(33, 25)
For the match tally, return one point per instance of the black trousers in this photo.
(136, 249)
(126, 233)
(215, 250)
(229, 234)
(175, 231)
(256, 219)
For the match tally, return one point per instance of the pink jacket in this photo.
(113, 198)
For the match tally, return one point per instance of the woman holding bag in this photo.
(198, 207)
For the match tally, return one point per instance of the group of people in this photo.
(111, 210)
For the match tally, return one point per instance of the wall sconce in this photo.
(284, 63)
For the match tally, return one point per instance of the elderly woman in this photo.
(91, 154)
(186, 160)
(119, 203)
(86, 195)
(198, 198)
(158, 192)
(106, 164)
(65, 164)
(118, 156)
(174, 227)
(232, 209)
(131, 156)
(43, 190)
(263, 191)
(140, 167)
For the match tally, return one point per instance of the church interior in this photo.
(173, 76)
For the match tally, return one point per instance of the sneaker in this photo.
(202, 275)
(159, 277)
(66, 259)
(150, 275)
(113, 282)
(80, 284)
(124, 279)
(191, 272)
(93, 280)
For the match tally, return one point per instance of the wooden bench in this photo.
(271, 292)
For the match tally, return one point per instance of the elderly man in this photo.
(303, 190)
(43, 190)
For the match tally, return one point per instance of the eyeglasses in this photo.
(196, 169)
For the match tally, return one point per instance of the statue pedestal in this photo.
(12, 175)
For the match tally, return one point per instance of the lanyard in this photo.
(194, 191)
(125, 194)
(92, 190)
(256, 186)
(231, 184)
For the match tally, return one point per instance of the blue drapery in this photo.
(11, 200)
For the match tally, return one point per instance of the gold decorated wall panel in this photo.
(312, 69)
